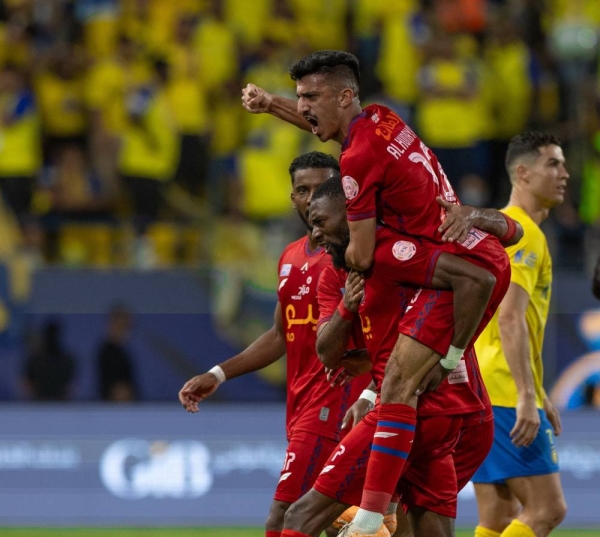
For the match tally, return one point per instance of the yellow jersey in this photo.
(531, 267)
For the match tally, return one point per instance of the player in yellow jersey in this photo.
(518, 487)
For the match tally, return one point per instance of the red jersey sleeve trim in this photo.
(322, 320)
(361, 216)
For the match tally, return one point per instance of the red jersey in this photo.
(388, 173)
(312, 404)
(380, 313)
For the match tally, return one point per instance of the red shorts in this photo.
(429, 317)
(430, 320)
(474, 444)
(428, 481)
(305, 455)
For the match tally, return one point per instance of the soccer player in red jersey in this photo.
(315, 410)
(459, 408)
(390, 177)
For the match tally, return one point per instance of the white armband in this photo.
(452, 358)
(219, 373)
(369, 395)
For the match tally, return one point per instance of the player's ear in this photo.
(522, 172)
(292, 198)
(345, 97)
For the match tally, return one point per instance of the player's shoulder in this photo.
(532, 233)
(297, 245)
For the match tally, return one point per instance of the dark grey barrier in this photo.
(156, 465)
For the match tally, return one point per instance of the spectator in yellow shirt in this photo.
(20, 147)
(149, 149)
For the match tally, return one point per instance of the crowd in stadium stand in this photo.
(122, 138)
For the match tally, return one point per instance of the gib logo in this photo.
(135, 468)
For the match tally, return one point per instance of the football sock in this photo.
(517, 529)
(480, 531)
(293, 533)
(392, 442)
(272, 533)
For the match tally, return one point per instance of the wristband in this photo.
(511, 231)
(219, 373)
(452, 358)
(369, 395)
(344, 312)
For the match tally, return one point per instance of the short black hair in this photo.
(528, 143)
(331, 62)
(314, 159)
(331, 189)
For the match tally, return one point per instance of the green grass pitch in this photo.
(200, 532)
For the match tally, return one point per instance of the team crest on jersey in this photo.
(403, 250)
(285, 269)
(350, 187)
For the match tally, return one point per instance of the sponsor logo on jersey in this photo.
(327, 468)
(474, 237)
(375, 118)
(350, 187)
(285, 269)
(324, 414)
(403, 250)
(282, 283)
(387, 126)
(459, 374)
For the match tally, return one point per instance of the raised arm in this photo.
(265, 350)
(461, 218)
(258, 101)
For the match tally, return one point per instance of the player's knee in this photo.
(486, 281)
(556, 512)
(550, 515)
(295, 515)
(398, 383)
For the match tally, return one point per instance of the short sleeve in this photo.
(526, 258)
(362, 177)
(329, 293)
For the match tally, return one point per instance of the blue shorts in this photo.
(506, 461)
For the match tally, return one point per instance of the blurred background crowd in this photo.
(123, 143)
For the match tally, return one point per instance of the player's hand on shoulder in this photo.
(553, 416)
(197, 389)
(527, 424)
(432, 380)
(256, 100)
(354, 290)
(459, 221)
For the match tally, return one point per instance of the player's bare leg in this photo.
(427, 524)
(536, 501)
(497, 507)
(313, 513)
(275, 518)
(408, 364)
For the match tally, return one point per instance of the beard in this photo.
(304, 218)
